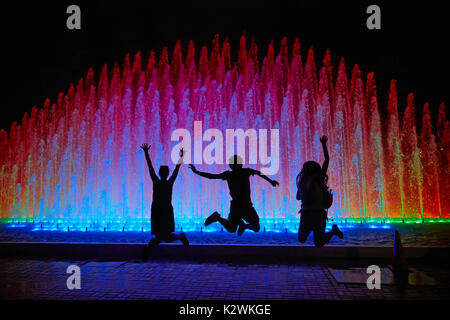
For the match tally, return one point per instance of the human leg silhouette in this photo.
(303, 234)
(321, 237)
(240, 213)
(175, 237)
(250, 216)
(214, 217)
(305, 227)
(254, 226)
(154, 242)
(228, 224)
(171, 237)
(316, 220)
(244, 215)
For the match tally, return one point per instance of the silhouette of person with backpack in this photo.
(241, 208)
(316, 198)
(162, 218)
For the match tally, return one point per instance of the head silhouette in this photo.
(311, 171)
(311, 168)
(235, 162)
(164, 172)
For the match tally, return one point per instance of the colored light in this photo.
(76, 163)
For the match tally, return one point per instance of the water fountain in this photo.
(75, 164)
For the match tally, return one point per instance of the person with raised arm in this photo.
(242, 214)
(162, 217)
(316, 198)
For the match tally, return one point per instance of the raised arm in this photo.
(153, 175)
(206, 174)
(326, 161)
(177, 167)
(272, 182)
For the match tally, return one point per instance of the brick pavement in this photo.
(46, 279)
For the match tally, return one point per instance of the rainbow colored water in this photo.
(76, 162)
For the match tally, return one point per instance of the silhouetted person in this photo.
(241, 208)
(162, 218)
(313, 191)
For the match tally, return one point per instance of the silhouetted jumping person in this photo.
(241, 208)
(316, 198)
(162, 218)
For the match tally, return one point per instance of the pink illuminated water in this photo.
(78, 158)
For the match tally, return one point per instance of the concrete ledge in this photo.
(124, 251)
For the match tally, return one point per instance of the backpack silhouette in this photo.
(327, 197)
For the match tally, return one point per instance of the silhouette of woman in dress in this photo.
(162, 218)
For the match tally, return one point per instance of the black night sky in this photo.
(41, 57)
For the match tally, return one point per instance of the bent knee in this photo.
(318, 243)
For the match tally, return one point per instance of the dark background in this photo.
(41, 57)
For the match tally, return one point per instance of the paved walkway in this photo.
(46, 279)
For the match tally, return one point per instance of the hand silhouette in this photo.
(324, 139)
(274, 183)
(191, 166)
(145, 147)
